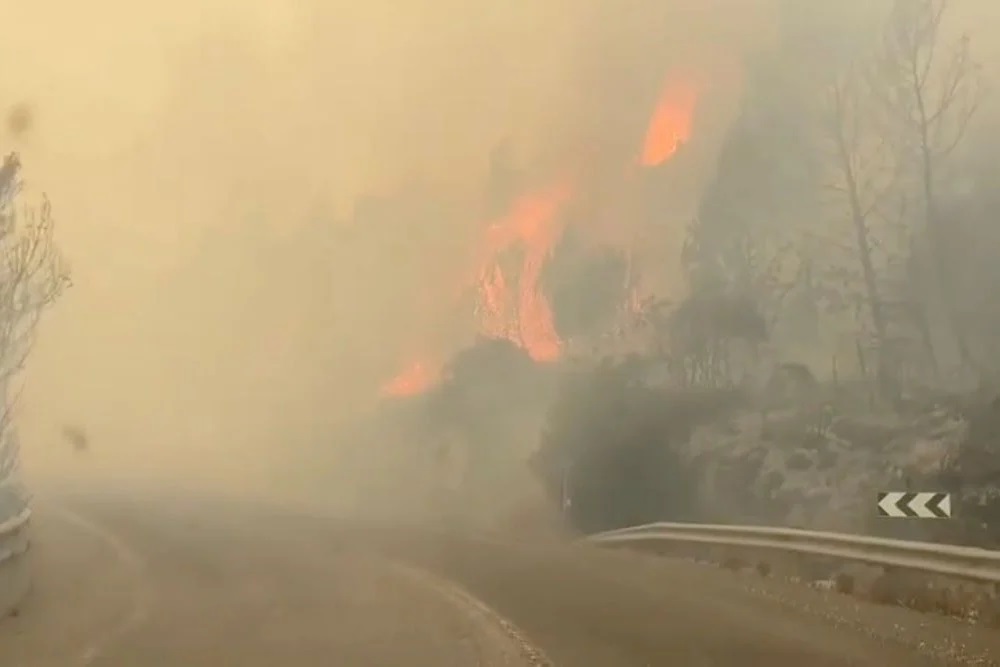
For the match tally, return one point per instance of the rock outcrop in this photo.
(819, 470)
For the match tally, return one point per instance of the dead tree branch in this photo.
(32, 276)
(865, 170)
(932, 90)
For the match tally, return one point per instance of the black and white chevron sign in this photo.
(927, 505)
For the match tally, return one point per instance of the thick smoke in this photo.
(225, 176)
(206, 160)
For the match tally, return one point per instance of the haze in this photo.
(205, 158)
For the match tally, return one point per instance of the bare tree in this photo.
(865, 173)
(32, 276)
(703, 332)
(932, 90)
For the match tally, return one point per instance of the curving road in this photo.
(154, 583)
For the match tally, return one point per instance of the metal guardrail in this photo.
(970, 563)
(15, 580)
(13, 541)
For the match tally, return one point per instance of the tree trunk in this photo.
(884, 378)
(937, 233)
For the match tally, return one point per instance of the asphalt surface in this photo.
(148, 583)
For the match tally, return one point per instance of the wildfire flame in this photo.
(509, 307)
(525, 317)
(670, 125)
(510, 302)
(417, 378)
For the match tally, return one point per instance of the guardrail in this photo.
(981, 565)
(14, 578)
(13, 541)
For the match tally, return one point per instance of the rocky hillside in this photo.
(814, 468)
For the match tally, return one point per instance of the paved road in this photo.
(144, 583)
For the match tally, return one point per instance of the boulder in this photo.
(819, 470)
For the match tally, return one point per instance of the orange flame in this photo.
(526, 320)
(495, 302)
(522, 315)
(417, 378)
(670, 125)
(511, 304)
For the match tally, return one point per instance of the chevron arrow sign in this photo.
(926, 505)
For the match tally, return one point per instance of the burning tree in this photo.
(32, 276)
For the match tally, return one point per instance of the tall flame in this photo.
(533, 225)
(510, 303)
(509, 307)
(670, 125)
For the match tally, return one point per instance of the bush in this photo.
(609, 446)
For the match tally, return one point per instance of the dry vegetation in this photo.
(840, 304)
(32, 276)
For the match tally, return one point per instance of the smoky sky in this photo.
(204, 160)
